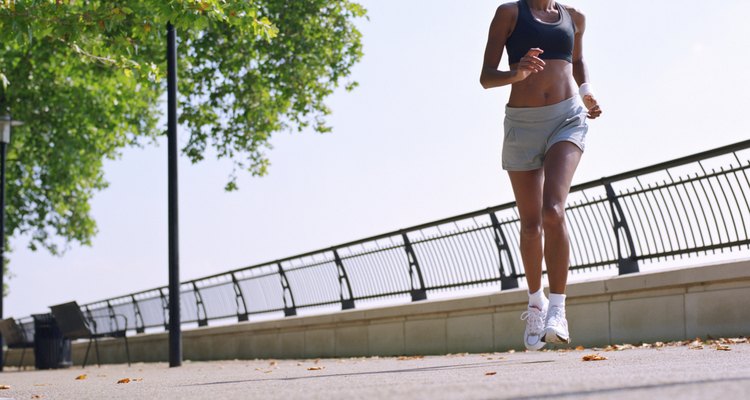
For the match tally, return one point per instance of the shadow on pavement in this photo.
(392, 371)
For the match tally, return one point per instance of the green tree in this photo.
(86, 77)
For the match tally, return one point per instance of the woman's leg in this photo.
(560, 164)
(527, 188)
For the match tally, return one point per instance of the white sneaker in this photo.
(534, 334)
(556, 327)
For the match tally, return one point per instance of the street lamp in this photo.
(6, 123)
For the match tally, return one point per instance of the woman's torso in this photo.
(555, 83)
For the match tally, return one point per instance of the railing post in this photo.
(199, 305)
(347, 302)
(506, 281)
(288, 311)
(91, 320)
(627, 265)
(240, 299)
(112, 318)
(138, 316)
(418, 293)
(164, 308)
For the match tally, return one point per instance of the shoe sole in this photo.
(535, 347)
(552, 337)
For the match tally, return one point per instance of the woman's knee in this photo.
(531, 228)
(553, 214)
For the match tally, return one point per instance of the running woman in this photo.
(545, 130)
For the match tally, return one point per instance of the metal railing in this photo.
(27, 327)
(692, 205)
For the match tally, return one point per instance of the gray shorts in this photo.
(530, 132)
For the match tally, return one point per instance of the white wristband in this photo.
(586, 90)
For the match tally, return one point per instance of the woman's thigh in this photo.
(527, 188)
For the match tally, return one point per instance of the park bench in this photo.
(17, 336)
(75, 325)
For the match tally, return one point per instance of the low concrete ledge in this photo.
(660, 306)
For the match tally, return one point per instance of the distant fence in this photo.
(692, 205)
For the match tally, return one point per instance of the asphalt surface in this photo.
(686, 371)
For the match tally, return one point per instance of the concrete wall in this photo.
(646, 307)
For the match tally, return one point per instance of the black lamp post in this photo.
(6, 123)
(175, 333)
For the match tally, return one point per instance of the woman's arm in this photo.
(580, 72)
(500, 29)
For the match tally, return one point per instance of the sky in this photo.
(418, 140)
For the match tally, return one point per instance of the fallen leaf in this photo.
(593, 357)
(580, 348)
(315, 368)
(36, 396)
(695, 347)
(124, 380)
(405, 358)
(723, 347)
(490, 373)
(4, 387)
(81, 377)
(490, 358)
(273, 363)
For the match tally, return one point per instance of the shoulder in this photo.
(579, 18)
(575, 13)
(505, 18)
(507, 10)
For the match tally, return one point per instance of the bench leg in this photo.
(86, 358)
(127, 349)
(96, 347)
(23, 353)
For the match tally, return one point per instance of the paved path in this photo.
(670, 372)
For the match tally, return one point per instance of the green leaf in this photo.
(4, 81)
(248, 70)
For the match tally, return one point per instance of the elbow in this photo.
(484, 81)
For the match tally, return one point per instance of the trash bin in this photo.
(51, 349)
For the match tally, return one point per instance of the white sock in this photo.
(556, 300)
(538, 299)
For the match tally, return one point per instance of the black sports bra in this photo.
(555, 38)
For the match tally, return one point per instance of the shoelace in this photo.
(535, 319)
(555, 316)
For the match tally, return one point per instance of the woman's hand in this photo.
(530, 64)
(592, 105)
